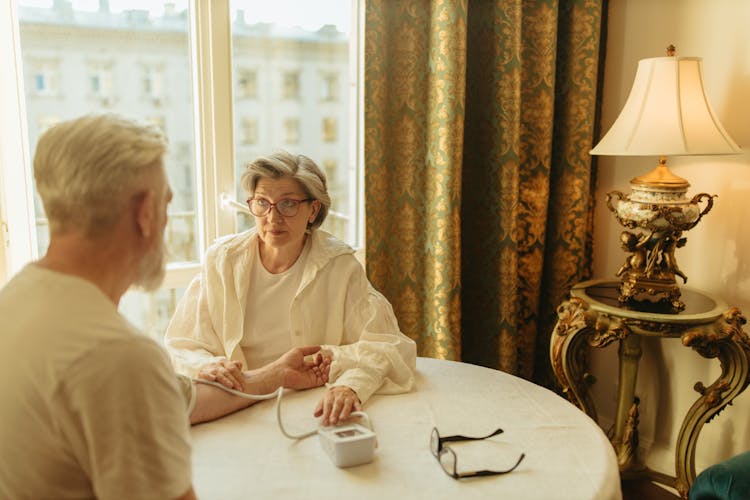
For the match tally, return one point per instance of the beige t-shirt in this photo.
(88, 406)
(268, 327)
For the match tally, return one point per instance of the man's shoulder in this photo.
(130, 365)
(59, 315)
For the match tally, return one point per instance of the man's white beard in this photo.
(152, 267)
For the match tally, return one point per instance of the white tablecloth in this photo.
(245, 456)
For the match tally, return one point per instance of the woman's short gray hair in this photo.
(87, 169)
(298, 167)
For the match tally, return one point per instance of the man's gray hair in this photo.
(87, 169)
(298, 167)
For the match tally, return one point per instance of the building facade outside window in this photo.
(141, 63)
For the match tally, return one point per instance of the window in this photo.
(329, 129)
(291, 131)
(330, 167)
(329, 88)
(100, 80)
(247, 84)
(153, 83)
(96, 56)
(302, 61)
(290, 85)
(44, 76)
(249, 131)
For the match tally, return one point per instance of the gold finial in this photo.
(671, 50)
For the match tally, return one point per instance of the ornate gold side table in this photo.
(594, 317)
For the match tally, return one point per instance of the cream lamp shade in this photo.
(667, 114)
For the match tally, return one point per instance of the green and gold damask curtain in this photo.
(479, 116)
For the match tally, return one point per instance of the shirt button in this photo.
(296, 333)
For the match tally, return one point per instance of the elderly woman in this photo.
(283, 284)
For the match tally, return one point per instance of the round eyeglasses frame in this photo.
(288, 207)
(437, 449)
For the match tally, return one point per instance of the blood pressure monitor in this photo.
(348, 445)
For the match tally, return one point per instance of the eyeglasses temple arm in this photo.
(451, 439)
(491, 472)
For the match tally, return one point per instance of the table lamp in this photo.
(666, 114)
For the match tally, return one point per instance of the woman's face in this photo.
(279, 231)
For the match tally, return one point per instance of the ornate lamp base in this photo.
(663, 294)
(656, 216)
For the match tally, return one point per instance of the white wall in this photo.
(717, 256)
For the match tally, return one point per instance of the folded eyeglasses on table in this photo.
(448, 460)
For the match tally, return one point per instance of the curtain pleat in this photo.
(479, 116)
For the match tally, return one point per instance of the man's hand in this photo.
(337, 404)
(227, 373)
(297, 372)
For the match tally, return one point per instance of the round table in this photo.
(244, 455)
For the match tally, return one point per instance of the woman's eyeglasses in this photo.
(447, 457)
(288, 207)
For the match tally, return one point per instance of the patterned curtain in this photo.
(479, 116)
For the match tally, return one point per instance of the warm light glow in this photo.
(667, 113)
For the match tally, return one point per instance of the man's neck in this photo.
(102, 261)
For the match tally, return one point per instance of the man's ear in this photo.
(145, 212)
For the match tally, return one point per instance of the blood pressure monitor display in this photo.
(348, 433)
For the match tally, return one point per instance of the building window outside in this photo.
(291, 130)
(329, 167)
(247, 84)
(290, 85)
(45, 76)
(249, 131)
(329, 129)
(153, 83)
(329, 89)
(100, 80)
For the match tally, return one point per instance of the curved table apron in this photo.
(245, 456)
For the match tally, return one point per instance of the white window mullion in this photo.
(356, 96)
(211, 46)
(16, 188)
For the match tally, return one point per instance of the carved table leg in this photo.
(726, 341)
(569, 354)
(577, 328)
(625, 440)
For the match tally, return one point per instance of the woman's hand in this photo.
(337, 404)
(302, 368)
(227, 373)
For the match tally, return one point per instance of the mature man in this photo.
(89, 407)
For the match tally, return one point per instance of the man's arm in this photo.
(293, 370)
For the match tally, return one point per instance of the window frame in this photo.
(213, 90)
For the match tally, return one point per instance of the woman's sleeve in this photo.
(375, 356)
(190, 338)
